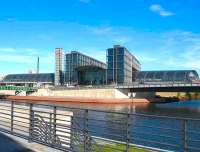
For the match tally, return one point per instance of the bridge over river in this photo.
(161, 87)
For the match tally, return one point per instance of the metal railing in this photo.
(86, 130)
(130, 85)
(18, 88)
(158, 85)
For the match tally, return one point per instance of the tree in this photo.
(188, 95)
(196, 95)
(178, 95)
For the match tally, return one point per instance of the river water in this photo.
(189, 109)
(149, 131)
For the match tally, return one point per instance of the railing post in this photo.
(72, 133)
(51, 130)
(12, 117)
(31, 117)
(54, 124)
(185, 135)
(86, 146)
(128, 132)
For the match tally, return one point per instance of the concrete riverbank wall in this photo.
(7, 92)
(85, 93)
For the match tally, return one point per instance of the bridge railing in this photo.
(17, 88)
(86, 130)
(157, 84)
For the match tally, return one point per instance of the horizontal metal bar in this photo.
(21, 130)
(193, 132)
(62, 120)
(19, 112)
(105, 127)
(152, 134)
(21, 117)
(18, 125)
(14, 120)
(20, 108)
(64, 136)
(45, 112)
(61, 131)
(4, 121)
(8, 118)
(6, 109)
(100, 120)
(155, 127)
(7, 126)
(8, 114)
(6, 106)
(155, 142)
(193, 148)
(107, 134)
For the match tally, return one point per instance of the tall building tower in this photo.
(59, 56)
(38, 65)
(121, 65)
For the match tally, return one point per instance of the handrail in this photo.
(83, 134)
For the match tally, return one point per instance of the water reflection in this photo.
(156, 132)
(189, 109)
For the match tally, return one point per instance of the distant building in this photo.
(31, 80)
(59, 56)
(1, 78)
(183, 76)
(121, 65)
(82, 69)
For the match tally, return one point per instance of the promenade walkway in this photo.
(9, 143)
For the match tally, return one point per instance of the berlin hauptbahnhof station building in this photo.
(75, 68)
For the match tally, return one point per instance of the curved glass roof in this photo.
(156, 76)
(42, 77)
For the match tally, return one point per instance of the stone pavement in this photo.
(9, 143)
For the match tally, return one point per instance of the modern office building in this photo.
(59, 58)
(121, 65)
(82, 69)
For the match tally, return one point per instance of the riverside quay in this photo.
(121, 67)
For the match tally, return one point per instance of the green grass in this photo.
(121, 147)
(112, 148)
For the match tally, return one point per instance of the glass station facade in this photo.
(88, 74)
(121, 65)
(91, 75)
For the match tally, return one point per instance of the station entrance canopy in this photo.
(91, 75)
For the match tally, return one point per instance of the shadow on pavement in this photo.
(8, 144)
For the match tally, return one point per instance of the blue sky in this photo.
(162, 34)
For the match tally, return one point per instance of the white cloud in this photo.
(156, 8)
(183, 51)
(19, 50)
(113, 34)
(15, 58)
(122, 39)
(106, 30)
(23, 55)
(7, 50)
